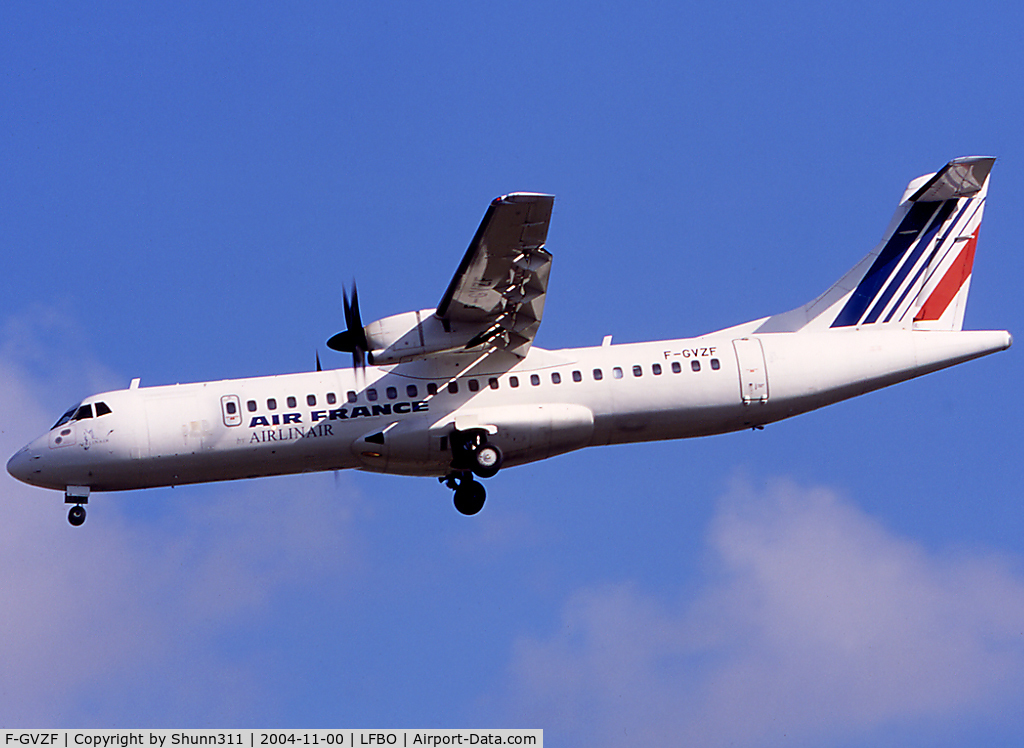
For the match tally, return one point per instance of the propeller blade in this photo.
(352, 340)
(318, 367)
(354, 319)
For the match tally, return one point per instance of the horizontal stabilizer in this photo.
(961, 177)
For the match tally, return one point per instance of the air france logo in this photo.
(321, 420)
(341, 414)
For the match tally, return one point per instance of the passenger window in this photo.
(391, 392)
(453, 388)
(656, 369)
(676, 367)
(513, 381)
(411, 391)
(291, 402)
(431, 388)
(84, 412)
(271, 404)
(534, 379)
(474, 385)
(598, 375)
(577, 376)
(492, 383)
(638, 371)
(617, 372)
(310, 399)
(332, 399)
(101, 409)
(371, 395)
(556, 378)
(351, 396)
(251, 406)
(230, 407)
(695, 365)
(715, 364)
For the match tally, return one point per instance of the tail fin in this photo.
(919, 275)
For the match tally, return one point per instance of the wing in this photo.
(498, 291)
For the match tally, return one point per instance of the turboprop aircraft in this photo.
(459, 392)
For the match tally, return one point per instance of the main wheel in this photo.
(487, 460)
(470, 497)
(76, 515)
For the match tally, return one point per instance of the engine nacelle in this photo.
(411, 335)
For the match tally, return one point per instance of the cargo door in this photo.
(175, 426)
(753, 372)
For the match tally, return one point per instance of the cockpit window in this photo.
(66, 417)
(80, 411)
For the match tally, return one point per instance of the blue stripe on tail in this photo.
(927, 263)
(885, 264)
(906, 267)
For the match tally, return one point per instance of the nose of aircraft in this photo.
(20, 465)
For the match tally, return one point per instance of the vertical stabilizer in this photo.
(919, 275)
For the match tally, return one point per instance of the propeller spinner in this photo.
(353, 340)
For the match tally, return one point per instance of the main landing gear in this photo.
(469, 494)
(471, 454)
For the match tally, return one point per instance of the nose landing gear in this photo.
(76, 515)
(77, 495)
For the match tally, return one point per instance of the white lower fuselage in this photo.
(188, 433)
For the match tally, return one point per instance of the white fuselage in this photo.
(399, 419)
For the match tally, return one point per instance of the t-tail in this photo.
(918, 277)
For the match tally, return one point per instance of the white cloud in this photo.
(86, 612)
(814, 624)
(125, 619)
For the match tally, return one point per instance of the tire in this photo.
(487, 460)
(76, 515)
(470, 497)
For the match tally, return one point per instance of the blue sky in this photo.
(186, 188)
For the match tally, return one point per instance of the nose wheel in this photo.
(76, 495)
(76, 515)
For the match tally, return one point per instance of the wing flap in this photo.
(501, 283)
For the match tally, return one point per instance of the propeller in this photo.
(353, 340)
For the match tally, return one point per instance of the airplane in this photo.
(460, 392)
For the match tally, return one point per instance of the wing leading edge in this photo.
(499, 289)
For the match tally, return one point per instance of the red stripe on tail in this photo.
(951, 283)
